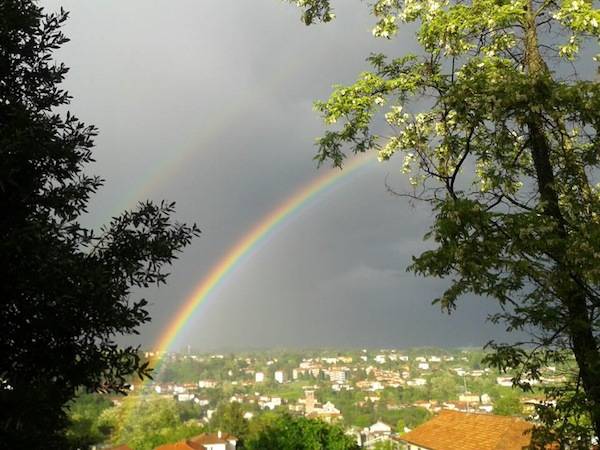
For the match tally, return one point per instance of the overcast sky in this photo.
(209, 103)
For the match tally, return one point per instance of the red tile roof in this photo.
(199, 442)
(212, 438)
(453, 430)
(182, 445)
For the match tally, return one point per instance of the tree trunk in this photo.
(572, 294)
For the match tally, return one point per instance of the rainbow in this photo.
(236, 254)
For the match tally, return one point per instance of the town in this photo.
(376, 396)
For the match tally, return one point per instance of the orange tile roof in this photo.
(199, 442)
(212, 438)
(453, 430)
(182, 445)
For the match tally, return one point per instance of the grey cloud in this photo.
(210, 103)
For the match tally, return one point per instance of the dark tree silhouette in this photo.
(66, 291)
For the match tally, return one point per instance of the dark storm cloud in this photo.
(210, 103)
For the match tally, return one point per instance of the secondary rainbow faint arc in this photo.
(247, 243)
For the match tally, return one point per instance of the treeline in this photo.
(145, 422)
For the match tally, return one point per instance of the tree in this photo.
(66, 290)
(497, 120)
(508, 404)
(414, 416)
(400, 426)
(84, 429)
(286, 432)
(386, 445)
(444, 387)
(145, 422)
(229, 417)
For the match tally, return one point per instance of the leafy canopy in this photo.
(67, 291)
(496, 120)
(144, 422)
(272, 431)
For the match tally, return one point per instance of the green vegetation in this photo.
(286, 432)
(84, 428)
(508, 404)
(145, 422)
(144, 419)
(230, 417)
(496, 119)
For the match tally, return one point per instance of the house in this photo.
(461, 372)
(327, 360)
(328, 412)
(269, 402)
(279, 376)
(459, 406)
(185, 397)
(452, 430)
(417, 382)
(206, 441)
(377, 434)
(504, 381)
(380, 427)
(468, 397)
(337, 375)
(207, 384)
(429, 405)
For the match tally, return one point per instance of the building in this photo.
(279, 376)
(269, 402)
(310, 402)
(327, 413)
(377, 434)
(467, 397)
(259, 377)
(337, 375)
(417, 382)
(206, 441)
(451, 430)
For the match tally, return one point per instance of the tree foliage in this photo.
(66, 290)
(144, 422)
(84, 428)
(508, 404)
(274, 431)
(229, 417)
(496, 120)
